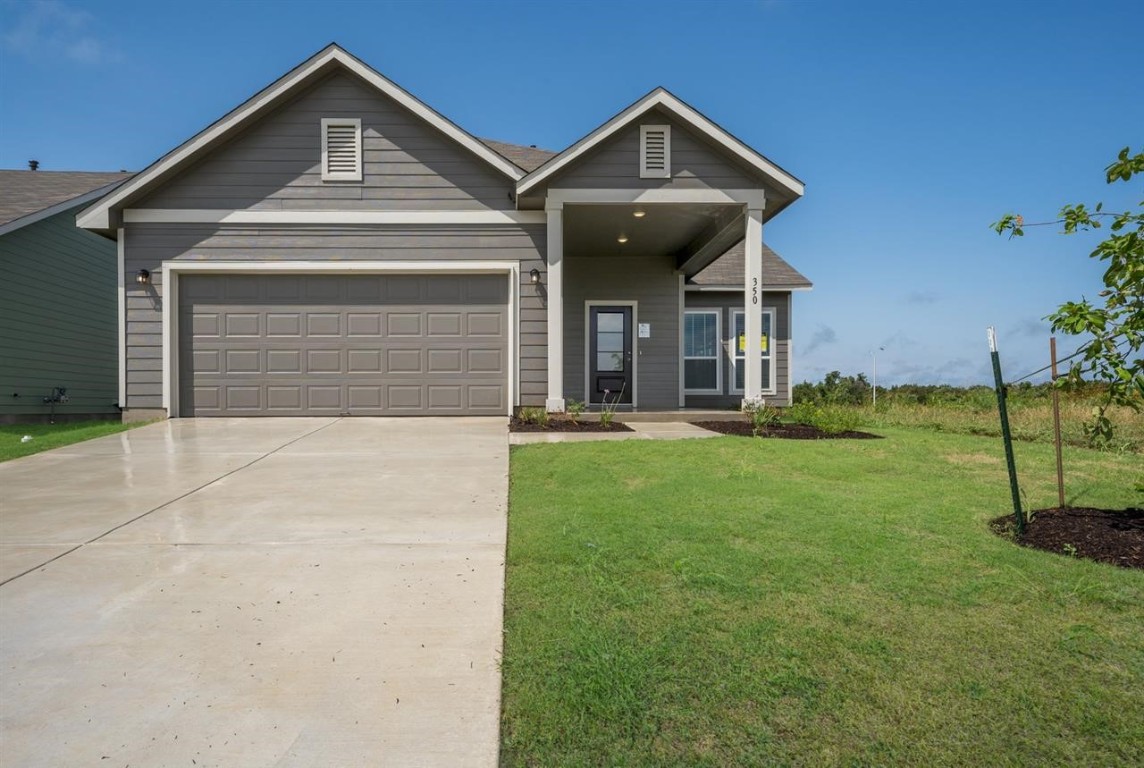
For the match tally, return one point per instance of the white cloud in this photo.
(47, 29)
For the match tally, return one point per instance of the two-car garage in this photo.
(338, 344)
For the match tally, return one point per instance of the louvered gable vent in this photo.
(341, 149)
(655, 151)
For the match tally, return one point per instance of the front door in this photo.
(610, 373)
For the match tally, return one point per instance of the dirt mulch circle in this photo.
(1114, 536)
(783, 431)
(566, 425)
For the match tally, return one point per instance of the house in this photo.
(58, 324)
(335, 246)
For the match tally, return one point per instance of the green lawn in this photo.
(48, 436)
(761, 602)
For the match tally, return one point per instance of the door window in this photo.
(609, 341)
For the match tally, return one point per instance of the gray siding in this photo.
(148, 246)
(728, 302)
(58, 319)
(653, 282)
(616, 163)
(276, 165)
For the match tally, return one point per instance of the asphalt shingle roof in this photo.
(528, 158)
(727, 270)
(26, 192)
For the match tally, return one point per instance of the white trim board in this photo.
(121, 302)
(173, 269)
(660, 97)
(458, 266)
(752, 198)
(226, 216)
(98, 216)
(739, 288)
(588, 304)
(681, 308)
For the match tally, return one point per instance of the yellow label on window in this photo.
(743, 343)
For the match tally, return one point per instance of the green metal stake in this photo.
(1018, 513)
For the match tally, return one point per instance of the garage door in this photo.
(318, 345)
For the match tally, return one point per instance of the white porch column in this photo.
(555, 289)
(753, 305)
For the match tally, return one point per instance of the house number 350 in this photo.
(754, 290)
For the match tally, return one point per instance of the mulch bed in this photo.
(566, 425)
(1114, 536)
(783, 431)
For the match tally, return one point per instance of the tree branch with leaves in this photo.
(1112, 354)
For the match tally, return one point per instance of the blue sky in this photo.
(914, 125)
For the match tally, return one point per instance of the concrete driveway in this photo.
(259, 592)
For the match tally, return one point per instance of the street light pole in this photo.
(875, 387)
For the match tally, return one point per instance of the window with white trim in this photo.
(655, 151)
(702, 343)
(341, 149)
(766, 349)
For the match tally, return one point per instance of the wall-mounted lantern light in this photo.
(622, 238)
(639, 213)
(143, 277)
(534, 276)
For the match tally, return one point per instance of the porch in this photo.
(617, 315)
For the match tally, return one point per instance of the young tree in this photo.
(1116, 329)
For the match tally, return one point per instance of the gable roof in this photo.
(30, 196)
(663, 99)
(727, 271)
(329, 58)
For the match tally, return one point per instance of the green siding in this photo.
(58, 321)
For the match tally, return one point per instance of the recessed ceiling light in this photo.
(622, 238)
(639, 213)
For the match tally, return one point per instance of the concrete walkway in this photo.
(647, 430)
(261, 592)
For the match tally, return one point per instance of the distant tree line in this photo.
(836, 389)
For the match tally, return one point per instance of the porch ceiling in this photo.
(666, 229)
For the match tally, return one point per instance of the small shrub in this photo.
(835, 419)
(574, 408)
(608, 410)
(760, 415)
(536, 415)
(832, 419)
(802, 413)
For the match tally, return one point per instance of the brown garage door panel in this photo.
(360, 345)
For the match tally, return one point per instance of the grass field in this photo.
(48, 436)
(761, 602)
(1030, 420)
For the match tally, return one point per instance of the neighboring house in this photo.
(335, 246)
(58, 317)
